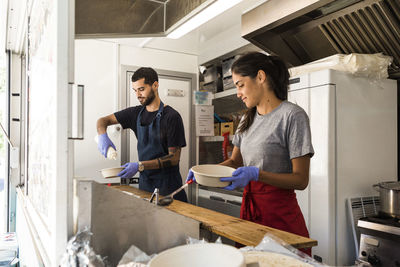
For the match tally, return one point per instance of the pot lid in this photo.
(390, 185)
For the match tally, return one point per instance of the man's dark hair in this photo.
(150, 76)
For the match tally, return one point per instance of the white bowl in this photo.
(209, 174)
(111, 172)
(199, 255)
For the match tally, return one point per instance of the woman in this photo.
(272, 146)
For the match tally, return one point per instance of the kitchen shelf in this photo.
(227, 102)
(225, 93)
(215, 138)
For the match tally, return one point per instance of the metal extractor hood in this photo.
(301, 31)
(131, 18)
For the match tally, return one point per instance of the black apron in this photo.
(149, 147)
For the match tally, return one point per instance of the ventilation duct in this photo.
(131, 18)
(301, 31)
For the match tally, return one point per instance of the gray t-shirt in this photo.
(275, 138)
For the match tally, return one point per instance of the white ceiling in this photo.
(193, 42)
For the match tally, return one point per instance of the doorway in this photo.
(175, 90)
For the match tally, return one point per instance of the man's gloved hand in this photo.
(190, 176)
(130, 170)
(103, 143)
(241, 177)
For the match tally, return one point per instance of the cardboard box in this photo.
(227, 127)
(216, 129)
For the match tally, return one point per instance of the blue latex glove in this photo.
(103, 143)
(130, 170)
(190, 176)
(241, 177)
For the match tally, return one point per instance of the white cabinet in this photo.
(301, 98)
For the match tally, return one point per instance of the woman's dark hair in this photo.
(150, 76)
(277, 78)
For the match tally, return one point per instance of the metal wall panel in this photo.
(118, 220)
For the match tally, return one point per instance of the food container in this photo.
(111, 172)
(209, 174)
(199, 255)
(389, 195)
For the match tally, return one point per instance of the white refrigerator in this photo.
(354, 133)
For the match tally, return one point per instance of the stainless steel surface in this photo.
(119, 219)
(76, 118)
(358, 208)
(220, 201)
(379, 227)
(379, 251)
(121, 18)
(235, 195)
(389, 194)
(301, 31)
(156, 195)
(380, 240)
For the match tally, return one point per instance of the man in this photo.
(159, 132)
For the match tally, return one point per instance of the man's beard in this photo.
(149, 99)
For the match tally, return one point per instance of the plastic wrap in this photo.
(374, 66)
(79, 253)
(271, 243)
(134, 257)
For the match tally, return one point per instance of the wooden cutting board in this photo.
(238, 230)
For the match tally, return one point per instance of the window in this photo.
(3, 141)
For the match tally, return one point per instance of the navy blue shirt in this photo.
(171, 124)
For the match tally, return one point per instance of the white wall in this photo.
(222, 43)
(158, 59)
(27, 251)
(97, 67)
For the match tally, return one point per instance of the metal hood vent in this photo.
(301, 31)
(130, 18)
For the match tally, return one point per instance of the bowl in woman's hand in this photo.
(209, 174)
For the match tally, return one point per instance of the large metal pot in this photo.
(389, 194)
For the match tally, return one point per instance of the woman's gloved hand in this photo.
(190, 176)
(241, 177)
(130, 170)
(104, 143)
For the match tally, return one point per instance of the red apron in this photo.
(273, 207)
